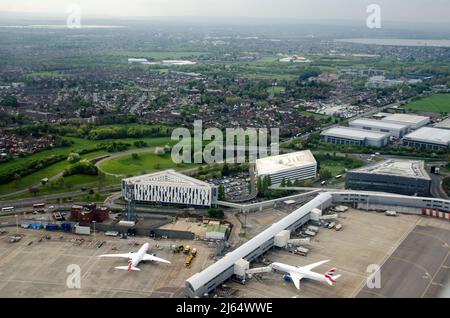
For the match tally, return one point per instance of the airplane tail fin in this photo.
(127, 268)
(331, 278)
(331, 271)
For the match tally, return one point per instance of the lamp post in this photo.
(94, 228)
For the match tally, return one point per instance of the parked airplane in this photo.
(135, 258)
(295, 274)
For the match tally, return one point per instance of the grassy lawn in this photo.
(315, 115)
(145, 163)
(438, 103)
(276, 90)
(58, 167)
(69, 184)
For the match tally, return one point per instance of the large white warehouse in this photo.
(428, 138)
(412, 121)
(394, 129)
(294, 166)
(169, 187)
(355, 137)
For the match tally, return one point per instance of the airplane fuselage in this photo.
(305, 273)
(138, 257)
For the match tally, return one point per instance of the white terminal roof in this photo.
(430, 135)
(406, 118)
(167, 177)
(354, 133)
(396, 167)
(274, 164)
(378, 124)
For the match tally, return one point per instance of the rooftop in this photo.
(445, 124)
(378, 123)
(358, 134)
(288, 161)
(396, 167)
(406, 118)
(167, 177)
(431, 135)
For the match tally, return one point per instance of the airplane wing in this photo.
(311, 266)
(126, 268)
(125, 255)
(296, 279)
(148, 257)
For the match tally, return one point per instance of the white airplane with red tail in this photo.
(295, 274)
(135, 258)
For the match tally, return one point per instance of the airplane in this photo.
(135, 258)
(295, 274)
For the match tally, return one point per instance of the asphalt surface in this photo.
(419, 267)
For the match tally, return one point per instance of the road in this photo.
(436, 189)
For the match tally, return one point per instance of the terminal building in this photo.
(204, 283)
(428, 138)
(356, 137)
(407, 177)
(294, 166)
(394, 129)
(411, 121)
(169, 187)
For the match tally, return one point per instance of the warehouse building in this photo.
(203, 283)
(355, 137)
(394, 129)
(169, 187)
(428, 138)
(294, 166)
(445, 124)
(407, 177)
(412, 121)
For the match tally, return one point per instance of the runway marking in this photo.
(412, 263)
(434, 276)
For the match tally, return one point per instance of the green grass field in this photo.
(439, 103)
(58, 167)
(145, 163)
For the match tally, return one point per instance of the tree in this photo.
(73, 157)
(283, 183)
(289, 183)
(216, 213)
(134, 156)
(325, 174)
(225, 170)
(10, 100)
(221, 193)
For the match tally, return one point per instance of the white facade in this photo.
(294, 166)
(394, 129)
(169, 187)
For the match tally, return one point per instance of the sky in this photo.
(421, 11)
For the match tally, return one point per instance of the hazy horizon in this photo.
(400, 11)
